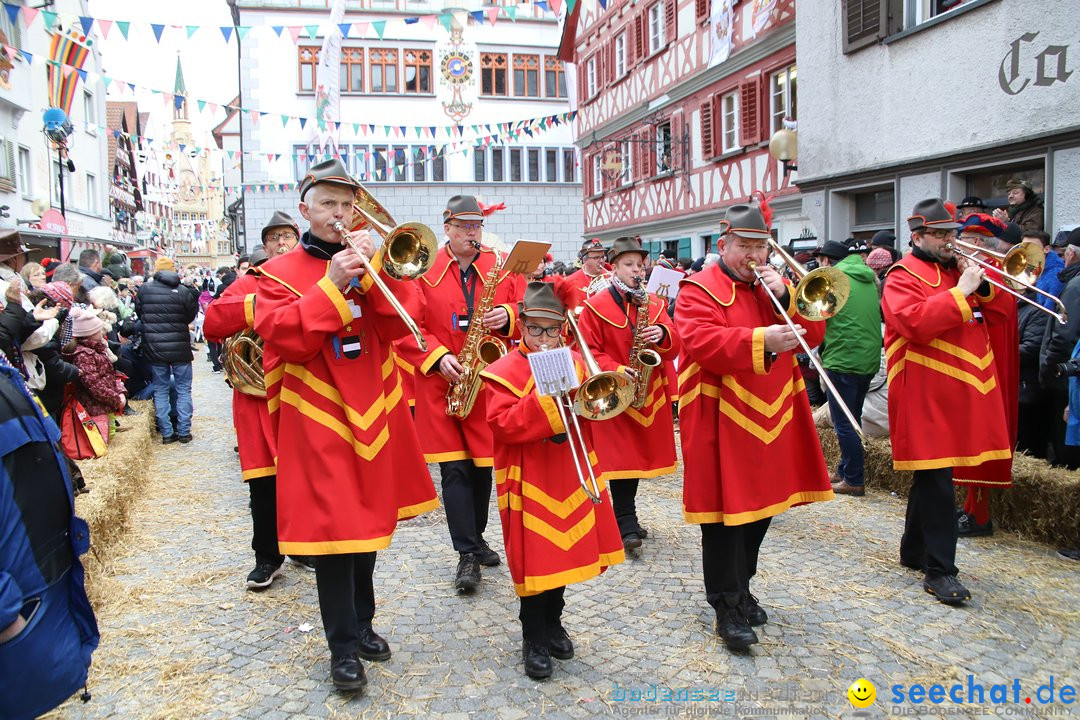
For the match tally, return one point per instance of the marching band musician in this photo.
(554, 534)
(592, 256)
(452, 289)
(349, 465)
(229, 314)
(280, 235)
(640, 442)
(942, 376)
(750, 448)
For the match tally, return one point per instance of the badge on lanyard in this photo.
(459, 321)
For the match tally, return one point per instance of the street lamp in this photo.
(57, 128)
(784, 146)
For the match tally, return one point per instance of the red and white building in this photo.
(671, 138)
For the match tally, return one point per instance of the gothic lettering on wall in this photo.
(1022, 67)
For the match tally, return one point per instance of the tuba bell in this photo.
(241, 359)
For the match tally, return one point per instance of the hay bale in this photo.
(114, 481)
(1043, 503)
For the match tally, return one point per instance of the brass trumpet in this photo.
(1021, 266)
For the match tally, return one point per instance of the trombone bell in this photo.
(409, 251)
(821, 293)
(603, 396)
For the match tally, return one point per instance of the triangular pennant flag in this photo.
(492, 14)
(82, 74)
(87, 23)
(254, 117)
(67, 70)
(201, 104)
(371, 129)
(477, 15)
(294, 33)
(402, 128)
(104, 26)
(158, 29)
(380, 27)
(360, 28)
(431, 129)
(412, 20)
(356, 128)
(418, 131)
(105, 79)
(242, 31)
(284, 120)
(555, 5)
(213, 107)
(13, 13)
(277, 29)
(49, 18)
(511, 12)
(445, 20)
(429, 20)
(191, 30)
(542, 5)
(312, 31)
(270, 157)
(345, 27)
(29, 14)
(122, 26)
(131, 86)
(226, 30)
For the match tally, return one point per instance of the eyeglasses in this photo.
(279, 236)
(468, 227)
(939, 234)
(537, 331)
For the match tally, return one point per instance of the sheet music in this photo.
(664, 282)
(553, 371)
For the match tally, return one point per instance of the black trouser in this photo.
(1033, 422)
(213, 349)
(466, 493)
(623, 502)
(346, 598)
(541, 615)
(929, 539)
(729, 555)
(263, 492)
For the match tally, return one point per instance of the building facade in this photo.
(464, 76)
(922, 98)
(672, 132)
(125, 193)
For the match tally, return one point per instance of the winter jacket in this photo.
(16, 325)
(1031, 324)
(1072, 425)
(166, 308)
(58, 373)
(98, 387)
(1059, 340)
(90, 279)
(1028, 214)
(1049, 281)
(226, 280)
(41, 578)
(853, 336)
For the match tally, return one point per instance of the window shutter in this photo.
(582, 90)
(642, 36)
(706, 130)
(865, 22)
(10, 147)
(669, 21)
(611, 62)
(750, 112)
(648, 144)
(630, 45)
(718, 123)
(701, 9)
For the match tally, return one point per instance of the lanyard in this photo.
(468, 286)
(621, 302)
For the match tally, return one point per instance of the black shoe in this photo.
(537, 660)
(734, 630)
(169, 440)
(487, 557)
(128, 410)
(1066, 553)
(348, 673)
(967, 527)
(631, 541)
(305, 562)
(468, 573)
(372, 645)
(947, 589)
(261, 577)
(186, 439)
(642, 533)
(753, 612)
(560, 645)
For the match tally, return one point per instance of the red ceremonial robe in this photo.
(445, 438)
(1004, 332)
(349, 464)
(580, 280)
(553, 533)
(750, 447)
(945, 406)
(406, 370)
(639, 443)
(232, 312)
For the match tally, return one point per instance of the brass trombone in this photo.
(819, 293)
(407, 251)
(818, 303)
(1021, 266)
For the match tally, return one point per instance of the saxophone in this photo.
(642, 359)
(480, 350)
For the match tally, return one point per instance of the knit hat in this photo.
(164, 263)
(60, 293)
(879, 258)
(85, 323)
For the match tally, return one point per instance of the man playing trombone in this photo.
(942, 375)
(553, 532)
(750, 448)
(348, 460)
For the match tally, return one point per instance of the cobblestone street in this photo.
(182, 637)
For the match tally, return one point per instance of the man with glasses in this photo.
(945, 404)
(750, 448)
(453, 290)
(592, 256)
(280, 235)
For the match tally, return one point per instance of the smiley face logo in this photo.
(862, 693)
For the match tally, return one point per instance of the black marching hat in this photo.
(327, 171)
(832, 249)
(972, 201)
(932, 214)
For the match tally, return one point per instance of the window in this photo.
(875, 208)
(438, 167)
(533, 158)
(729, 122)
(551, 165)
(620, 55)
(307, 59)
(569, 165)
(498, 164)
(401, 163)
(493, 74)
(515, 165)
(417, 71)
(384, 71)
(360, 162)
(626, 149)
(89, 113)
(352, 70)
(783, 98)
(91, 194)
(991, 183)
(591, 84)
(7, 165)
(10, 29)
(527, 75)
(480, 166)
(554, 78)
(868, 21)
(24, 179)
(663, 147)
(597, 175)
(420, 163)
(656, 27)
(916, 12)
(379, 154)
